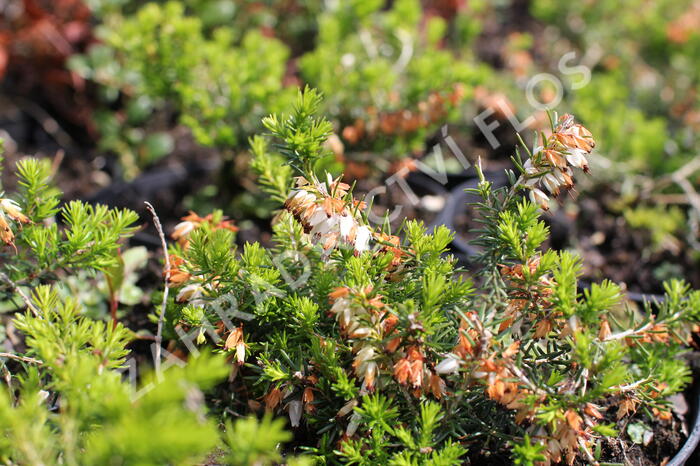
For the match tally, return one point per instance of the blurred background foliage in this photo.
(159, 99)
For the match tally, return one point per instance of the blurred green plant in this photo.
(389, 81)
(662, 223)
(160, 59)
(66, 400)
(73, 407)
(645, 81)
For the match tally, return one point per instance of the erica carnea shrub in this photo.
(379, 348)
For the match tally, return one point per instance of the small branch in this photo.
(47, 122)
(409, 402)
(680, 199)
(689, 191)
(680, 178)
(368, 43)
(113, 307)
(56, 162)
(159, 333)
(587, 452)
(406, 51)
(643, 328)
(18, 290)
(627, 333)
(17, 357)
(632, 386)
(688, 169)
(523, 378)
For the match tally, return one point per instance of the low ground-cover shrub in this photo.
(374, 343)
(68, 394)
(379, 349)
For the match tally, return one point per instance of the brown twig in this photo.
(523, 378)
(681, 199)
(642, 329)
(680, 178)
(587, 452)
(7, 376)
(631, 386)
(18, 290)
(629, 332)
(47, 122)
(159, 333)
(17, 357)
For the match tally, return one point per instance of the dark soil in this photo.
(661, 449)
(667, 439)
(609, 247)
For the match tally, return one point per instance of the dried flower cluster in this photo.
(235, 342)
(550, 166)
(362, 319)
(428, 112)
(329, 214)
(10, 210)
(297, 404)
(391, 244)
(483, 362)
(379, 349)
(192, 221)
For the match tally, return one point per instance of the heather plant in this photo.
(65, 381)
(68, 403)
(379, 348)
(36, 249)
(69, 394)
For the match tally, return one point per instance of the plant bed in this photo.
(386, 348)
(350, 338)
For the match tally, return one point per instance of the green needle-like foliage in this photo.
(392, 354)
(74, 395)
